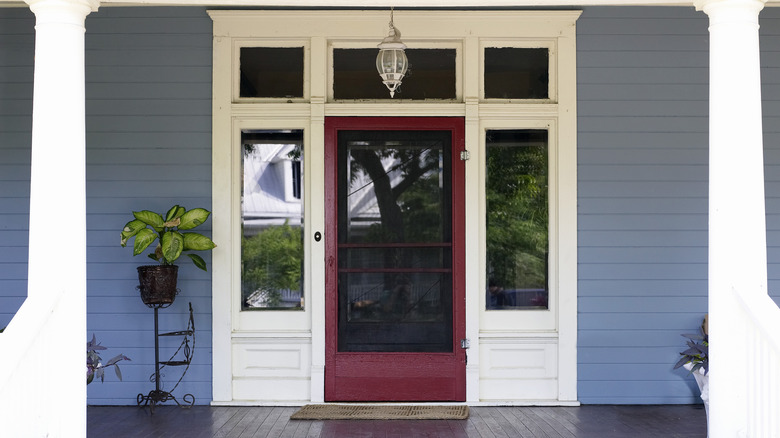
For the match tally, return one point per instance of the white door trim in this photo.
(318, 32)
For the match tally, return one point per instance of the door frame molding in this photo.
(319, 31)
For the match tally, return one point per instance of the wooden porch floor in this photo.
(667, 421)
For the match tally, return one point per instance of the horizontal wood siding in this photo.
(643, 186)
(17, 43)
(148, 147)
(770, 78)
(642, 83)
(148, 73)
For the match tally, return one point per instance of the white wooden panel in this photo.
(516, 369)
(532, 362)
(518, 390)
(259, 359)
(518, 360)
(267, 391)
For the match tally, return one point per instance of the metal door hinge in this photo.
(464, 344)
(464, 155)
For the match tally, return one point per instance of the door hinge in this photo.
(464, 155)
(464, 344)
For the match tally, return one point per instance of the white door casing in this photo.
(277, 357)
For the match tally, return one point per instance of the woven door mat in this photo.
(381, 412)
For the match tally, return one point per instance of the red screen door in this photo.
(394, 251)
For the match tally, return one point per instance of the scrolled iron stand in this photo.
(158, 395)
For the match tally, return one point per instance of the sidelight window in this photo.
(516, 192)
(272, 220)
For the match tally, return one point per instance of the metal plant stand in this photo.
(158, 395)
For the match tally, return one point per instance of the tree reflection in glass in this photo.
(395, 243)
(272, 220)
(517, 219)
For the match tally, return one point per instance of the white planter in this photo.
(703, 380)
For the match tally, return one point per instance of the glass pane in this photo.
(271, 72)
(395, 241)
(272, 220)
(517, 219)
(431, 75)
(516, 73)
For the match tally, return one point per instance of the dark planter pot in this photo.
(158, 284)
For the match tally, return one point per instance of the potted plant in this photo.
(158, 282)
(95, 365)
(696, 360)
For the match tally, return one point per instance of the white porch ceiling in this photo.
(413, 4)
(417, 4)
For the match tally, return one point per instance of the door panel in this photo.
(394, 253)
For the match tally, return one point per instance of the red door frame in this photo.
(351, 376)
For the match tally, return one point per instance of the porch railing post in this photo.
(737, 228)
(57, 228)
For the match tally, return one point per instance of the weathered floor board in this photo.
(608, 421)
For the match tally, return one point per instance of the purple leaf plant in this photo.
(95, 365)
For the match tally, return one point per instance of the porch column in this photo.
(737, 228)
(57, 239)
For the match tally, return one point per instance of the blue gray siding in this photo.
(148, 73)
(148, 147)
(642, 151)
(16, 75)
(770, 78)
(642, 84)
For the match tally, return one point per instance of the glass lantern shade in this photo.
(391, 63)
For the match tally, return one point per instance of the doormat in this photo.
(381, 412)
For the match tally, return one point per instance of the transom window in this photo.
(516, 73)
(524, 72)
(431, 75)
(271, 72)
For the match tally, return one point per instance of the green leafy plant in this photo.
(148, 227)
(95, 365)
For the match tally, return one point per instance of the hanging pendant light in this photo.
(391, 62)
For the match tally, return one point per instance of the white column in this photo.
(737, 229)
(57, 248)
